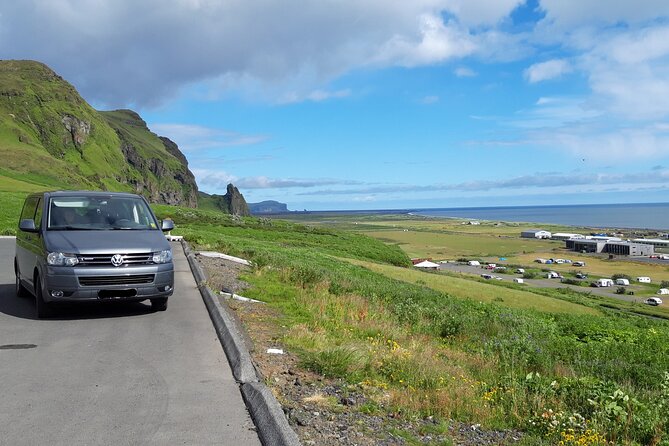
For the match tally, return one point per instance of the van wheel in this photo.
(21, 291)
(43, 308)
(159, 304)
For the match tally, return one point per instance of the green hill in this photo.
(50, 137)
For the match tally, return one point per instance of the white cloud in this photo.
(194, 137)
(550, 69)
(464, 72)
(435, 41)
(128, 53)
(219, 179)
(313, 96)
(572, 13)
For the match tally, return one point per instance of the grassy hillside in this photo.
(420, 346)
(50, 138)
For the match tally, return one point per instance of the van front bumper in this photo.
(73, 284)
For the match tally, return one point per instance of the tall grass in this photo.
(417, 351)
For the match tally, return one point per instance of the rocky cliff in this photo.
(50, 137)
(232, 202)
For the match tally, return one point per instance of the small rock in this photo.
(300, 417)
(348, 401)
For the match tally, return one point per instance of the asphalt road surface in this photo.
(116, 374)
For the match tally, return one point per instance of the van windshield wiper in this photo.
(75, 228)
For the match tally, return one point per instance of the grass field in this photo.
(477, 291)
(439, 245)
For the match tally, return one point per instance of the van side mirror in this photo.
(167, 225)
(27, 225)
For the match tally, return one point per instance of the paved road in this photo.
(116, 374)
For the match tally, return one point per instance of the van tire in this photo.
(44, 310)
(159, 304)
(21, 291)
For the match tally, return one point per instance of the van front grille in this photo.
(144, 258)
(125, 279)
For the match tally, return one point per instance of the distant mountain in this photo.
(268, 207)
(51, 138)
(232, 202)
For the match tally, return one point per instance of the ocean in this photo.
(641, 216)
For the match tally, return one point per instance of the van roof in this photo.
(75, 193)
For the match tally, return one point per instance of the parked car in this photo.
(487, 276)
(553, 275)
(581, 276)
(520, 271)
(655, 301)
(578, 263)
(92, 246)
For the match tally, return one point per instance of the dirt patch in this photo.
(324, 411)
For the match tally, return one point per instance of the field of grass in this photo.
(441, 346)
(439, 245)
(478, 291)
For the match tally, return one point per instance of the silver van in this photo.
(77, 246)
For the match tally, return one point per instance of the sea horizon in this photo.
(654, 216)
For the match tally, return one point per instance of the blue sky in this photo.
(380, 104)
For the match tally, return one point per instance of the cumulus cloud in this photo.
(219, 179)
(550, 69)
(541, 180)
(464, 72)
(126, 53)
(573, 13)
(196, 137)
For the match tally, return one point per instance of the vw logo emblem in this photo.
(117, 260)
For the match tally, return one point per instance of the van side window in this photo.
(29, 208)
(38, 214)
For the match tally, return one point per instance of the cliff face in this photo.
(232, 202)
(156, 166)
(51, 138)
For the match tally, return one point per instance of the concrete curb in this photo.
(267, 412)
(270, 421)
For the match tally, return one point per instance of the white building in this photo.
(566, 236)
(535, 233)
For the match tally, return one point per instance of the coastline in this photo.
(628, 217)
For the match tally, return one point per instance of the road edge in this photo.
(266, 412)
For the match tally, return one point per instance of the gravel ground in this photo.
(323, 411)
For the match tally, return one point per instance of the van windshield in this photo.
(99, 213)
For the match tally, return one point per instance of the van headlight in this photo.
(164, 256)
(61, 259)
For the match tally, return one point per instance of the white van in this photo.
(474, 263)
(653, 301)
(604, 282)
(518, 280)
(623, 282)
(663, 291)
(643, 279)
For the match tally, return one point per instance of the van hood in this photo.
(105, 242)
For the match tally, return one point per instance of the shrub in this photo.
(334, 363)
(529, 275)
(621, 276)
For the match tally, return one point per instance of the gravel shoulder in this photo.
(324, 411)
